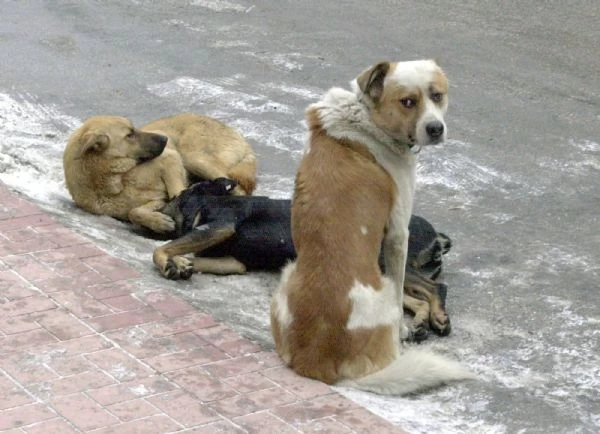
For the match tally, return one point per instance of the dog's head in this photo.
(114, 137)
(407, 100)
(185, 208)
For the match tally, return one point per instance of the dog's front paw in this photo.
(420, 333)
(178, 268)
(161, 223)
(440, 322)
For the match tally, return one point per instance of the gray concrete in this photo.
(517, 187)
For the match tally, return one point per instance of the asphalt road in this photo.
(516, 186)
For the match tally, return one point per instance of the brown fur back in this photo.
(341, 195)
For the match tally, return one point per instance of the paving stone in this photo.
(302, 387)
(124, 319)
(138, 388)
(54, 426)
(251, 382)
(35, 303)
(133, 409)
(24, 415)
(83, 412)
(253, 402)
(12, 395)
(81, 304)
(120, 365)
(199, 382)
(62, 324)
(68, 385)
(309, 410)
(101, 353)
(112, 268)
(185, 359)
(362, 420)
(168, 305)
(184, 408)
(264, 423)
(171, 326)
(157, 424)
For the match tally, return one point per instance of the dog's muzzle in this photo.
(435, 131)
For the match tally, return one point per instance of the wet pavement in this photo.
(516, 186)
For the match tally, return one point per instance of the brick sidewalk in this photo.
(84, 348)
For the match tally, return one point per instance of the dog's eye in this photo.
(408, 102)
(436, 96)
(131, 135)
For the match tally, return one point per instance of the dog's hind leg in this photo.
(420, 309)
(422, 288)
(168, 257)
(225, 265)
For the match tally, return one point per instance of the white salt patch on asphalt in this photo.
(185, 25)
(300, 92)
(229, 44)
(275, 186)
(271, 134)
(429, 413)
(220, 5)
(189, 92)
(33, 140)
(283, 61)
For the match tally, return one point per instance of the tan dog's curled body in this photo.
(112, 168)
(334, 317)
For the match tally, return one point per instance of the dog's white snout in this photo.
(435, 129)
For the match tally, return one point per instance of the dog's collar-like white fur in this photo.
(345, 116)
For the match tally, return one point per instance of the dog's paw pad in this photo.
(420, 334)
(178, 268)
(440, 324)
(163, 224)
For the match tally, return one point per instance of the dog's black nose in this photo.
(162, 140)
(435, 129)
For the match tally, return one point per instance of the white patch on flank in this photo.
(363, 230)
(371, 308)
(280, 299)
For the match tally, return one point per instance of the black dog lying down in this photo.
(234, 234)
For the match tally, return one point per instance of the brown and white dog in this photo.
(334, 317)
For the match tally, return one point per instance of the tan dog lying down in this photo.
(334, 317)
(115, 169)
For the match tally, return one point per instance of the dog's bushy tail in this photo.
(414, 370)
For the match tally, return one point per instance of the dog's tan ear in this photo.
(92, 142)
(370, 82)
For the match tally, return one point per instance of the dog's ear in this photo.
(370, 81)
(92, 142)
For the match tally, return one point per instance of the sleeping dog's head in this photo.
(184, 208)
(407, 100)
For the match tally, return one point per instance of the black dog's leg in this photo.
(421, 288)
(168, 257)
